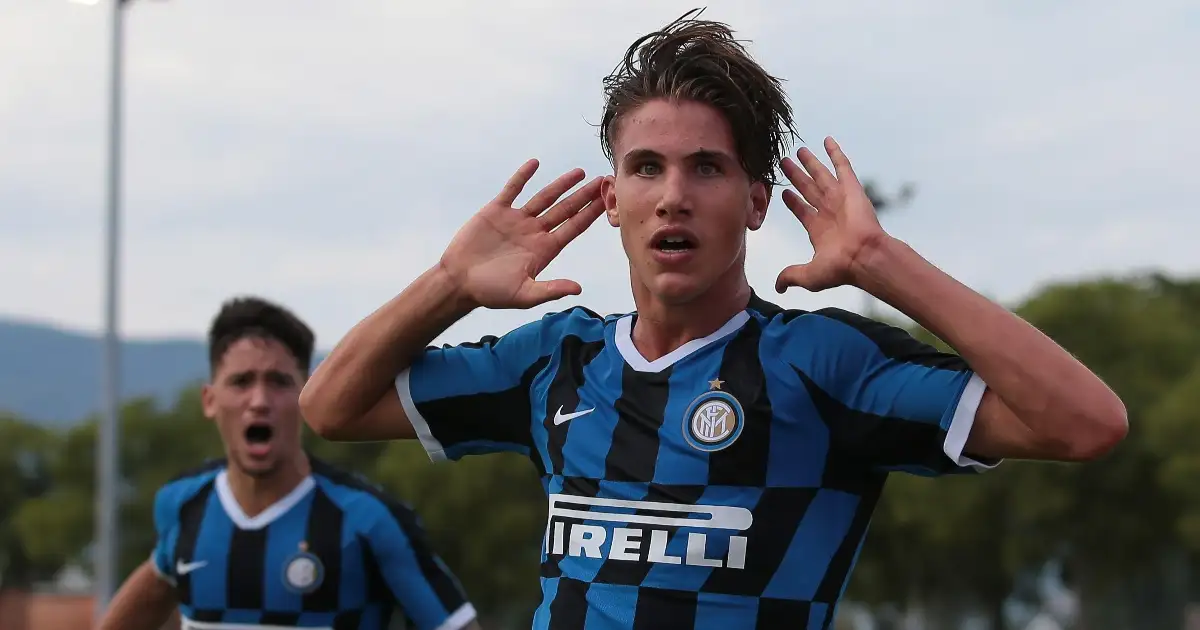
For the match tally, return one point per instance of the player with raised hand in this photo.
(711, 460)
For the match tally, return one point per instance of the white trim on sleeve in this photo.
(432, 446)
(961, 423)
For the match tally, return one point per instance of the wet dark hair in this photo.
(701, 61)
(255, 317)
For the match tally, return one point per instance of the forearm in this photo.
(144, 602)
(363, 365)
(1053, 394)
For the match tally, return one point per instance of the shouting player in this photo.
(269, 537)
(712, 460)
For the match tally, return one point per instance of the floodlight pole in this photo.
(107, 543)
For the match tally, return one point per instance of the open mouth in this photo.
(674, 244)
(258, 434)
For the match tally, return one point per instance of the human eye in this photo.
(648, 169)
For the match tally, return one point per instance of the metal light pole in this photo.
(108, 440)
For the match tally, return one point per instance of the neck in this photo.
(256, 493)
(662, 327)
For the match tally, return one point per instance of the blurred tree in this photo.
(26, 454)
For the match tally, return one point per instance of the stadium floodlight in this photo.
(106, 544)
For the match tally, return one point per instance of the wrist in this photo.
(877, 262)
(450, 293)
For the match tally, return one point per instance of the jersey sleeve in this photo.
(475, 398)
(889, 400)
(166, 521)
(426, 590)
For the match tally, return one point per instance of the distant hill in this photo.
(51, 375)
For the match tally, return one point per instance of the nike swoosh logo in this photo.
(184, 568)
(560, 417)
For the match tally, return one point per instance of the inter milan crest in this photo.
(303, 571)
(714, 419)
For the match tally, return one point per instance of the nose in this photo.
(260, 400)
(674, 199)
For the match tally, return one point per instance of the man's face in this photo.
(254, 400)
(681, 199)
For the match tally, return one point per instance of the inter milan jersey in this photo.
(726, 485)
(334, 554)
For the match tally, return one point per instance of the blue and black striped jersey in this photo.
(335, 554)
(726, 485)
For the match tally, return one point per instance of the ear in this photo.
(608, 193)
(760, 196)
(208, 401)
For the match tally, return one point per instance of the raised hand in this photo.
(835, 210)
(496, 256)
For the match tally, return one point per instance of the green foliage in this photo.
(972, 537)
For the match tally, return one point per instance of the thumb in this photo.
(536, 292)
(806, 276)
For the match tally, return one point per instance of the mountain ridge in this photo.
(50, 374)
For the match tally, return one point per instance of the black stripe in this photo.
(574, 356)
(782, 614)
(443, 584)
(576, 487)
(191, 515)
(641, 408)
(244, 573)
(746, 460)
(284, 619)
(765, 308)
(377, 588)
(776, 516)
(633, 573)
(832, 585)
(896, 343)
(324, 540)
(208, 615)
(873, 440)
(352, 619)
(660, 608)
(568, 611)
(502, 416)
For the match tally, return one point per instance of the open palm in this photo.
(837, 214)
(496, 256)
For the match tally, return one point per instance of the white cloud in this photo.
(322, 153)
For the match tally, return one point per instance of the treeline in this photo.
(1126, 529)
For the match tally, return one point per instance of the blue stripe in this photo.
(717, 611)
(589, 438)
(851, 367)
(799, 446)
(610, 607)
(284, 536)
(212, 546)
(495, 367)
(678, 462)
(821, 532)
(541, 616)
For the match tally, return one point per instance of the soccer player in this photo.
(269, 537)
(711, 460)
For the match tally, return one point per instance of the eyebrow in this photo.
(701, 154)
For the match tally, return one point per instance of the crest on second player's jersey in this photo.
(713, 420)
(303, 571)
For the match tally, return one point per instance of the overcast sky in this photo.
(322, 153)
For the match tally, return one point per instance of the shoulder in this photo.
(541, 336)
(828, 334)
(181, 488)
(364, 502)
